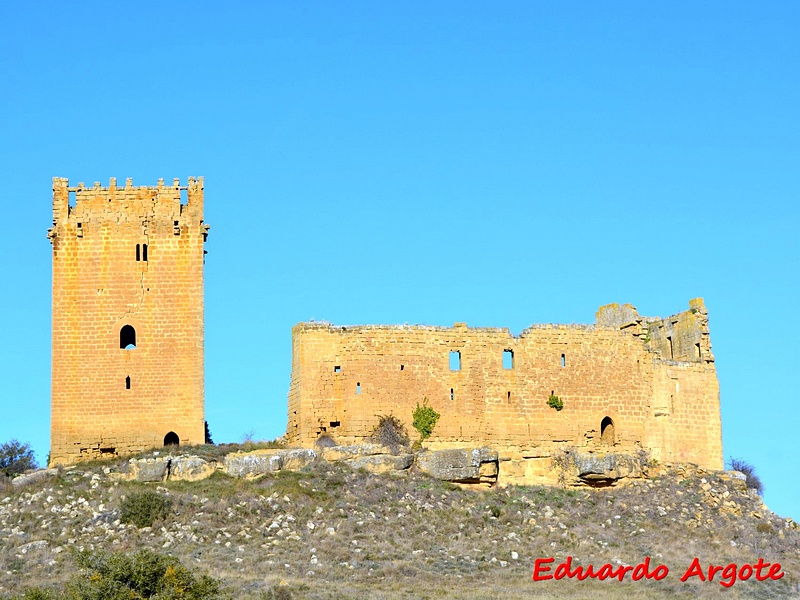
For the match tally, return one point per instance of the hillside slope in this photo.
(330, 532)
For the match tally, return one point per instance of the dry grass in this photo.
(329, 532)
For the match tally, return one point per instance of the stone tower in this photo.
(127, 318)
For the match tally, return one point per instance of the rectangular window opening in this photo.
(71, 199)
(337, 369)
(402, 367)
(144, 252)
(509, 397)
(455, 360)
(138, 252)
(128, 383)
(508, 359)
(563, 360)
(335, 423)
(669, 341)
(184, 197)
(697, 350)
(452, 394)
(358, 388)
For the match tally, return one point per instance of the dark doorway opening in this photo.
(607, 436)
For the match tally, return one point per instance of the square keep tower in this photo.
(127, 318)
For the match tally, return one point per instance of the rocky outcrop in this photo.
(461, 465)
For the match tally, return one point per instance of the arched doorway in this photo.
(607, 436)
(171, 439)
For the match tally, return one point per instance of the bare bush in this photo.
(752, 480)
(390, 432)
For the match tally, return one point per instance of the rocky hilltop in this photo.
(334, 529)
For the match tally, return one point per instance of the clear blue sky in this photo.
(499, 164)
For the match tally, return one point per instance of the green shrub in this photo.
(143, 574)
(390, 432)
(144, 508)
(16, 458)
(122, 576)
(425, 418)
(208, 434)
(555, 402)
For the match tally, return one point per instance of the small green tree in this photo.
(208, 434)
(555, 402)
(16, 458)
(425, 418)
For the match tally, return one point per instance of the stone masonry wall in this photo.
(126, 256)
(619, 372)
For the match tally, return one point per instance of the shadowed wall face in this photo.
(622, 385)
(127, 318)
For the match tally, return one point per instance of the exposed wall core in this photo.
(627, 382)
(127, 318)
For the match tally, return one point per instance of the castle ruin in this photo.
(627, 383)
(127, 363)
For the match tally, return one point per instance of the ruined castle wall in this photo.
(126, 256)
(344, 377)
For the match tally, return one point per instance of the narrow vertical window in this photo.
(138, 252)
(455, 360)
(563, 360)
(697, 350)
(509, 397)
(669, 341)
(144, 252)
(508, 359)
(128, 382)
(452, 394)
(358, 387)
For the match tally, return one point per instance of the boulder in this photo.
(252, 464)
(298, 458)
(147, 469)
(608, 466)
(382, 463)
(27, 478)
(190, 468)
(337, 453)
(460, 465)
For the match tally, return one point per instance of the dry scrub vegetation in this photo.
(329, 532)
